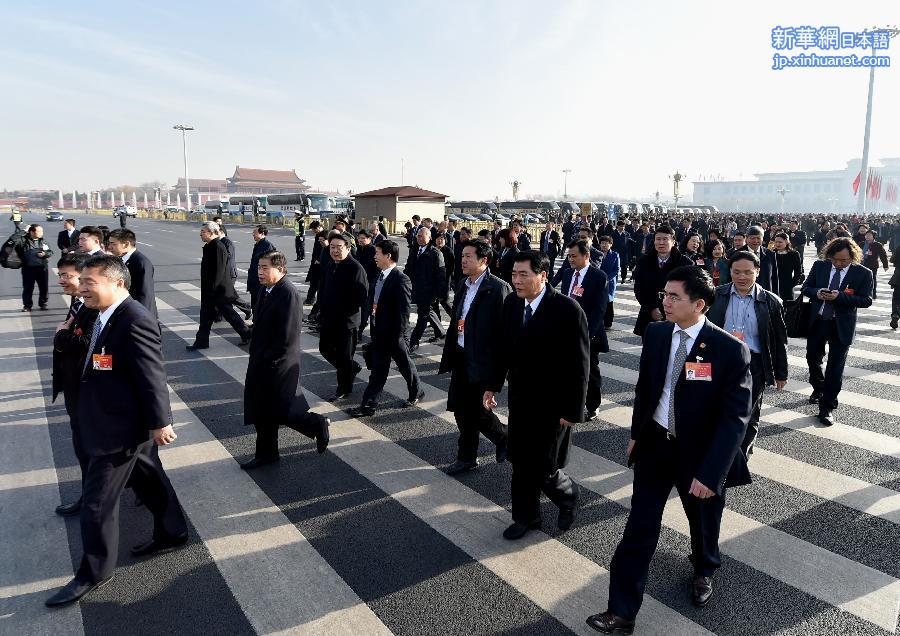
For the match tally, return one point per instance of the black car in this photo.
(54, 216)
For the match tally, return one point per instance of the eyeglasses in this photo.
(674, 298)
(67, 276)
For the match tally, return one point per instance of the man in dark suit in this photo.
(341, 298)
(650, 276)
(687, 363)
(425, 269)
(798, 237)
(551, 245)
(272, 392)
(245, 307)
(837, 286)
(471, 352)
(537, 318)
(463, 236)
(70, 344)
(261, 245)
(768, 264)
(122, 243)
(588, 286)
(756, 316)
(389, 304)
(621, 245)
(216, 289)
(67, 241)
(124, 412)
(365, 254)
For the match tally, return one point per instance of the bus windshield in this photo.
(320, 202)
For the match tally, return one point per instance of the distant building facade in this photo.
(814, 191)
(400, 203)
(256, 181)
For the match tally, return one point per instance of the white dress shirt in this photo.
(127, 256)
(840, 282)
(107, 313)
(537, 301)
(661, 414)
(581, 274)
(471, 291)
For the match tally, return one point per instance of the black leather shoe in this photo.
(248, 314)
(701, 590)
(245, 340)
(338, 395)
(258, 462)
(814, 397)
(73, 592)
(609, 623)
(894, 321)
(518, 530)
(26, 309)
(413, 346)
(501, 453)
(323, 437)
(70, 509)
(826, 418)
(437, 338)
(44, 308)
(566, 518)
(196, 347)
(459, 466)
(590, 414)
(159, 545)
(414, 400)
(366, 410)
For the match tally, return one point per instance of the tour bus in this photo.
(540, 210)
(215, 208)
(321, 203)
(288, 204)
(342, 205)
(247, 204)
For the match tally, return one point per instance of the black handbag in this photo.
(796, 317)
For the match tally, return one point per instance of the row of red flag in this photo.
(874, 186)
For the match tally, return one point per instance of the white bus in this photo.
(321, 203)
(247, 204)
(288, 204)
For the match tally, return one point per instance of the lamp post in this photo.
(781, 192)
(187, 181)
(892, 32)
(566, 172)
(677, 178)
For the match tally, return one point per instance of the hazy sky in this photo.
(470, 94)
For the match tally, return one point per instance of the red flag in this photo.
(856, 182)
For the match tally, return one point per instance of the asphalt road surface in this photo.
(374, 538)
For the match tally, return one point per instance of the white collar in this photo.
(477, 282)
(128, 255)
(537, 301)
(692, 331)
(387, 270)
(107, 313)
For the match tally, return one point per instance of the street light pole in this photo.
(566, 172)
(782, 191)
(861, 193)
(187, 181)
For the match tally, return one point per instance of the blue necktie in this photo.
(828, 309)
(527, 317)
(98, 327)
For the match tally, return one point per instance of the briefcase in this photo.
(796, 317)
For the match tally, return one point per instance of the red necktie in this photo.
(574, 285)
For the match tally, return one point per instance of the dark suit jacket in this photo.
(394, 306)
(769, 312)
(483, 337)
(427, 273)
(649, 280)
(876, 254)
(343, 293)
(554, 247)
(709, 435)
(118, 408)
(63, 242)
(142, 288)
(216, 284)
(503, 264)
(768, 269)
(69, 348)
(593, 302)
(558, 327)
(232, 257)
(858, 279)
(366, 258)
(272, 389)
(259, 248)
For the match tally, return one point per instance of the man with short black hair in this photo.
(650, 276)
(768, 263)
(261, 245)
(122, 243)
(67, 240)
(272, 393)
(537, 318)
(342, 295)
(35, 254)
(425, 268)
(389, 303)
(90, 240)
(471, 350)
(124, 396)
(686, 363)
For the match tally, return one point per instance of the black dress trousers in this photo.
(469, 412)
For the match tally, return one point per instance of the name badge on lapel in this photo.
(701, 371)
(461, 325)
(102, 361)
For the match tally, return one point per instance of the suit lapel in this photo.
(101, 341)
